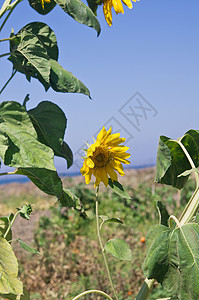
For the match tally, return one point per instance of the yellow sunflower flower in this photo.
(42, 2)
(118, 7)
(104, 157)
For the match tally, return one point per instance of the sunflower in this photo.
(42, 2)
(118, 7)
(104, 157)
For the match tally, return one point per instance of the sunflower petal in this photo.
(117, 5)
(118, 167)
(90, 163)
(102, 174)
(119, 149)
(111, 173)
(88, 177)
(107, 6)
(101, 135)
(128, 3)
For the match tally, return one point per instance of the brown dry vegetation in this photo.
(75, 265)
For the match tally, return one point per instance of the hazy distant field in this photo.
(70, 259)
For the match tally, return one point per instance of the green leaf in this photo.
(27, 247)
(93, 4)
(25, 211)
(163, 213)
(118, 188)
(156, 263)
(64, 81)
(172, 161)
(50, 123)
(119, 249)
(173, 259)
(19, 146)
(31, 49)
(36, 5)
(80, 12)
(30, 56)
(25, 296)
(50, 183)
(45, 35)
(66, 153)
(111, 220)
(4, 224)
(8, 270)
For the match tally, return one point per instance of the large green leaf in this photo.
(30, 56)
(64, 81)
(50, 183)
(34, 52)
(173, 259)
(31, 49)
(19, 146)
(36, 5)
(45, 35)
(80, 12)
(50, 123)
(172, 161)
(8, 270)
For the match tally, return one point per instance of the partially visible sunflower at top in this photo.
(104, 157)
(42, 2)
(118, 7)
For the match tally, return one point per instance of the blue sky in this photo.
(149, 56)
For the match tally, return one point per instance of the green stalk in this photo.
(4, 7)
(5, 54)
(101, 245)
(193, 203)
(7, 39)
(7, 173)
(185, 217)
(11, 223)
(12, 75)
(145, 289)
(93, 292)
(190, 161)
(10, 7)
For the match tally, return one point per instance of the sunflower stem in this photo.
(100, 242)
(4, 9)
(12, 75)
(10, 224)
(93, 292)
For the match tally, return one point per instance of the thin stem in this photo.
(190, 161)
(12, 75)
(190, 208)
(11, 7)
(145, 289)
(175, 220)
(101, 245)
(94, 292)
(5, 54)
(4, 7)
(11, 223)
(7, 173)
(7, 39)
